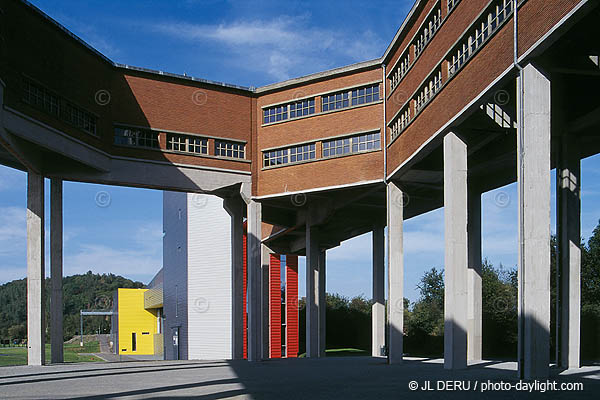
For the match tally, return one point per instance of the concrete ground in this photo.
(329, 378)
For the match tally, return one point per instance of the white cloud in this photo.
(284, 46)
(13, 230)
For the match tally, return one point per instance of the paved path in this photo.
(330, 378)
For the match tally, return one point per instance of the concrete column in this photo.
(312, 292)
(322, 303)
(56, 270)
(254, 290)
(569, 239)
(395, 221)
(35, 270)
(533, 169)
(474, 307)
(455, 259)
(378, 308)
(235, 209)
(265, 290)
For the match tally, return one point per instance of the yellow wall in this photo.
(134, 318)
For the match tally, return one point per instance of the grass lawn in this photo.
(18, 355)
(349, 352)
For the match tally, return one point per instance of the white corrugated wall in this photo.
(209, 278)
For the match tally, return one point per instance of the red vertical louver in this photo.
(291, 301)
(275, 305)
(245, 255)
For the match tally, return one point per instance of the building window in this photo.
(187, 143)
(353, 97)
(289, 155)
(302, 153)
(365, 95)
(136, 137)
(400, 70)
(429, 29)
(229, 149)
(302, 108)
(274, 114)
(401, 122)
(275, 157)
(431, 87)
(489, 23)
(41, 98)
(352, 144)
(452, 4)
(133, 341)
(44, 100)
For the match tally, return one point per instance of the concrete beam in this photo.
(36, 324)
(253, 290)
(234, 206)
(456, 258)
(569, 241)
(534, 222)
(378, 308)
(475, 306)
(56, 270)
(395, 221)
(312, 292)
(322, 303)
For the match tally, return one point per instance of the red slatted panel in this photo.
(244, 299)
(291, 284)
(275, 305)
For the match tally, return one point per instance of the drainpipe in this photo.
(384, 133)
(520, 127)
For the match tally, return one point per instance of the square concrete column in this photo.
(456, 255)
(312, 292)
(254, 285)
(395, 221)
(569, 241)
(56, 270)
(378, 308)
(234, 206)
(36, 325)
(322, 303)
(533, 171)
(265, 290)
(474, 307)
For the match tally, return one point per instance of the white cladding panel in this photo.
(209, 278)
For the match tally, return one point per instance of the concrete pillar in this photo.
(474, 307)
(254, 290)
(322, 303)
(378, 308)
(455, 259)
(56, 270)
(312, 292)
(264, 308)
(35, 270)
(533, 171)
(395, 221)
(569, 240)
(235, 209)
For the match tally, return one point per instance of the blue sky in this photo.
(250, 43)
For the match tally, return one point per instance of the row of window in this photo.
(489, 22)
(400, 70)
(432, 24)
(401, 122)
(290, 155)
(44, 100)
(331, 148)
(354, 144)
(431, 87)
(335, 101)
(138, 137)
